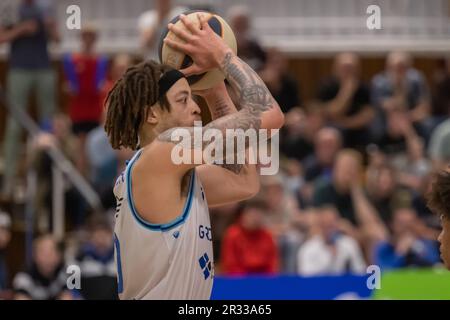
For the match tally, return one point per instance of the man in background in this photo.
(29, 31)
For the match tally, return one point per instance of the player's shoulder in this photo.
(157, 157)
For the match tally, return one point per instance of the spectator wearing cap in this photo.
(5, 237)
(29, 69)
(46, 279)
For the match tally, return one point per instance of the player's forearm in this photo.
(253, 95)
(219, 102)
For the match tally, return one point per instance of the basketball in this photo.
(179, 60)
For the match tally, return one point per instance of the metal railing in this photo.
(62, 169)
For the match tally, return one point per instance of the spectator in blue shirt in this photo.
(407, 245)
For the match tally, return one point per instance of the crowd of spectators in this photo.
(356, 163)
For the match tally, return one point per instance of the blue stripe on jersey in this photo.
(119, 265)
(152, 226)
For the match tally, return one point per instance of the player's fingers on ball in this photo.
(180, 33)
(191, 70)
(177, 45)
(203, 21)
(188, 24)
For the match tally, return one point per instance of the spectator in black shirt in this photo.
(348, 101)
(338, 191)
(280, 82)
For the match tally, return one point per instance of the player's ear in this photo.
(152, 114)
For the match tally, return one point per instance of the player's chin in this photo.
(196, 119)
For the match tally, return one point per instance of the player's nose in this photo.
(196, 109)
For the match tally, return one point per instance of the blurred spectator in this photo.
(297, 135)
(327, 144)
(248, 247)
(439, 148)
(405, 151)
(347, 101)
(282, 219)
(152, 23)
(329, 251)
(347, 170)
(5, 237)
(30, 33)
(102, 158)
(384, 192)
(85, 73)
(248, 48)
(46, 278)
(96, 261)
(403, 89)
(281, 83)
(406, 247)
(441, 95)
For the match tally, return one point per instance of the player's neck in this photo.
(146, 136)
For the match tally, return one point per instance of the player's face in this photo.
(444, 239)
(183, 109)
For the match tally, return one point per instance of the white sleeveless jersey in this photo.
(163, 261)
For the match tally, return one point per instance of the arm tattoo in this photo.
(253, 97)
(221, 108)
(252, 92)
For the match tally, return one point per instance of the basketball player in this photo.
(163, 235)
(439, 202)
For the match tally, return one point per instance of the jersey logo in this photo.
(176, 234)
(205, 265)
(118, 205)
(204, 232)
(120, 179)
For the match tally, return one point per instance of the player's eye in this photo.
(183, 101)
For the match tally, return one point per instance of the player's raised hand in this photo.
(200, 42)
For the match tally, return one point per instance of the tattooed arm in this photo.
(237, 181)
(259, 109)
(219, 105)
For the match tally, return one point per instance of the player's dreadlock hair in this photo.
(129, 100)
(438, 199)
